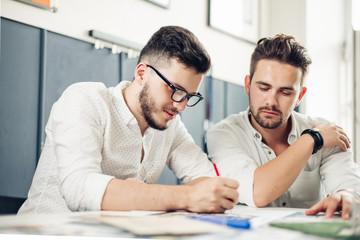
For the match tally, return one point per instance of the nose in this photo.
(180, 106)
(272, 99)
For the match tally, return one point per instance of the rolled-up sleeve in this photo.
(226, 149)
(338, 170)
(76, 129)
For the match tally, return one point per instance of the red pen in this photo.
(216, 170)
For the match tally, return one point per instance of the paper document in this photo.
(155, 225)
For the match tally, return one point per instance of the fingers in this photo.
(331, 204)
(346, 209)
(334, 135)
(231, 195)
(214, 195)
(345, 139)
(346, 203)
(318, 207)
(227, 189)
(226, 204)
(231, 183)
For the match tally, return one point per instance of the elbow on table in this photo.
(260, 203)
(261, 200)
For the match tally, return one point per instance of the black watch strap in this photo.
(319, 142)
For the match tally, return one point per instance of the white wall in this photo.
(325, 40)
(318, 24)
(137, 20)
(321, 25)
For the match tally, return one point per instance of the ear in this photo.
(301, 95)
(247, 84)
(139, 73)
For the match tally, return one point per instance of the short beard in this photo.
(262, 122)
(147, 108)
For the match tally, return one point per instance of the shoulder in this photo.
(85, 88)
(90, 98)
(84, 92)
(306, 121)
(233, 121)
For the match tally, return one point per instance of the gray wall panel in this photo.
(19, 92)
(193, 117)
(236, 99)
(218, 101)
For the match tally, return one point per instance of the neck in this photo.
(131, 97)
(273, 137)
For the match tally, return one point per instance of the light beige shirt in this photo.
(237, 149)
(93, 137)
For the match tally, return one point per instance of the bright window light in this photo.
(355, 6)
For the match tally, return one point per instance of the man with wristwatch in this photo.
(281, 157)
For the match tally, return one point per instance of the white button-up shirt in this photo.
(237, 149)
(93, 137)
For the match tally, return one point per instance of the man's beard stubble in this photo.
(147, 108)
(263, 122)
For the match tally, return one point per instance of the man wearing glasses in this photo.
(106, 147)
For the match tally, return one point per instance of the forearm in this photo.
(131, 195)
(274, 178)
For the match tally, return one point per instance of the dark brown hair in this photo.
(282, 48)
(179, 43)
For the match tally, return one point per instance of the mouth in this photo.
(270, 113)
(169, 114)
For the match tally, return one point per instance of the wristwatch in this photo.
(315, 134)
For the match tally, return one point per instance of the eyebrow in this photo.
(267, 84)
(178, 86)
(182, 88)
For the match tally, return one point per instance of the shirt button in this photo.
(284, 204)
(257, 135)
(269, 152)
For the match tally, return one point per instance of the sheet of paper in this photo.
(133, 213)
(156, 225)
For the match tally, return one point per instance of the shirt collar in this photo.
(122, 108)
(293, 135)
(256, 135)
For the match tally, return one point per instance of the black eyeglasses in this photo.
(179, 95)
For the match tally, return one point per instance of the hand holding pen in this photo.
(216, 194)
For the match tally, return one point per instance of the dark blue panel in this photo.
(236, 99)
(193, 117)
(10, 205)
(19, 84)
(218, 101)
(128, 66)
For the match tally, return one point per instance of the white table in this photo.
(75, 225)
